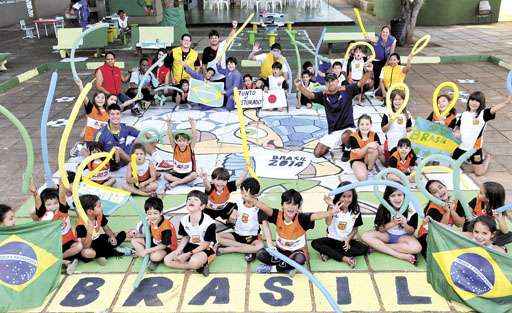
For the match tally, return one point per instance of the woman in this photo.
(384, 45)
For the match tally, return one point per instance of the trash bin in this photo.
(398, 30)
(111, 34)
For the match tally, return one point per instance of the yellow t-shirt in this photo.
(391, 75)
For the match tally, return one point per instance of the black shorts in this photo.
(245, 239)
(191, 246)
(179, 175)
(223, 213)
(67, 245)
(476, 158)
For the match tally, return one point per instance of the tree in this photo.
(409, 10)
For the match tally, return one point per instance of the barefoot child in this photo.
(141, 175)
(365, 148)
(184, 170)
(470, 128)
(98, 240)
(7, 216)
(198, 231)
(291, 226)
(218, 192)
(484, 233)
(394, 235)
(245, 238)
(51, 205)
(340, 244)
(163, 234)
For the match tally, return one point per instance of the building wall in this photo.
(506, 11)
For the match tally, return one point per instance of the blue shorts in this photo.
(394, 238)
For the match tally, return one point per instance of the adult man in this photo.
(338, 108)
(109, 77)
(118, 135)
(214, 46)
(182, 53)
(149, 82)
(267, 59)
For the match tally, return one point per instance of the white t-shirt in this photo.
(356, 69)
(397, 128)
(472, 128)
(342, 225)
(247, 221)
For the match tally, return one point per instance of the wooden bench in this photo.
(66, 37)
(340, 34)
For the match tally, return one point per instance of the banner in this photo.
(280, 164)
(111, 198)
(30, 264)
(274, 99)
(460, 270)
(430, 138)
(206, 93)
(251, 98)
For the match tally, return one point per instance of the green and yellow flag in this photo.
(460, 270)
(30, 263)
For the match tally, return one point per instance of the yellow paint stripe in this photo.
(27, 75)
(95, 65)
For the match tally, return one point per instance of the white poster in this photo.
(274, 99)
(251, 98)
(280, 164)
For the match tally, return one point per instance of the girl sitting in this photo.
(450, 120)
(340, 244)
(141, 176)
(394, 235)
(399, 127)
(484, 233)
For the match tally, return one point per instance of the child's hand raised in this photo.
(202, 173)
(256, 47)
(328, 200)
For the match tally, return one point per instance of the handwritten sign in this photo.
(251, 98)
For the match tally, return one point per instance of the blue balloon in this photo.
(276, 254)
(406, 191)
(509, 82)
(44, 120)
(504, 208)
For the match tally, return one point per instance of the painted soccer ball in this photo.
(18, 263)
(473, 273)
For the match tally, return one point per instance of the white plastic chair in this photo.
(274, 4)
(29, 31)
(219, 3)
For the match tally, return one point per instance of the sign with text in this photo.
(251, 98)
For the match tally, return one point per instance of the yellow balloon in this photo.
(452, 103)
(61, 157)
(420, 44)
(101, 165)
(243, 134)
(360, 43)
(133, 168)
(360, 21)
(405, 88)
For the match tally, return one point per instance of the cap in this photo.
(330, 77)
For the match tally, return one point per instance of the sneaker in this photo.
(165, 165)
(249, 257)
(152, 266)
(70, 269)
(324, 257)
(102, 261)
(264, 269)
(125, 251)
(205, 270)
(292, 273)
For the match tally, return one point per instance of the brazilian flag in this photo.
(460, 270)
(30, 263)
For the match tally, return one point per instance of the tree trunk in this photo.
(409, 10)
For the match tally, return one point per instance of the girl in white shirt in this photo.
(394, 235)
(399, 127)
(340, 244)
(470, 129)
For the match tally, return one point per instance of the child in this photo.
(291, 226)
(260, 84)
(484, 233)
(218, 192)
(277, 80)
(98, 240)
(470, 128)
(155, 158)
(308, 66)
(340, 244)
(403, 159)
(184, 170)
(248, 83)
(144, 184)
(305, 81)
(97, 115)
(7, 216)
(148, 7)
(163, 234)
(337, 69)
(355, 67)
(51, 205)
(112, 99)
(195, 250)
(450, 120)
(233, 80)
(394, 235)
(182, 97)
(245, 238)
(490, 198)
(365, 148)
(162, 71)
(209, 74)
(398, 128)
(450, 214)
(392, 72)
(104, 177)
